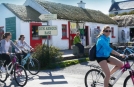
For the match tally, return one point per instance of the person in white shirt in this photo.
(6, 49)
(21, 44)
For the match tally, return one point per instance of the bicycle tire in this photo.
(38, 66)
(15, 77)
(85, 80)
(126, 80)
(3, 80)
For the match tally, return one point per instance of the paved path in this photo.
(72, 76)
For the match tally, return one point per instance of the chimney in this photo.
(81, 4)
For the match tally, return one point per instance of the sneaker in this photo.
(3, 69)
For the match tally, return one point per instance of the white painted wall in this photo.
(127, 29)
(92, 26)
(5, 13)
(25, 30)
(121, 11)
(57, 41)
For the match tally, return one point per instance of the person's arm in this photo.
(27, 45)
(3, 50)
(12, 44)
(115, 53)
(107, 46)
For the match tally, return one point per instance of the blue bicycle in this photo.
(33, 64)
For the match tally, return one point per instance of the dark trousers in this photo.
(81, 47)
(19, 56)
(7, 59)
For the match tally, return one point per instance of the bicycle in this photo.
(33, 64)
(16, 69)
(113, 78)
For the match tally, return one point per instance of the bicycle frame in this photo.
(129, 50)
(12, 64)
(24, 60)
(123, 69)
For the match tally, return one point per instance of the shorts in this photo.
(99, 59)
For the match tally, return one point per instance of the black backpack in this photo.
(92, 53)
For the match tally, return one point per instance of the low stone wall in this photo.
(76, 50)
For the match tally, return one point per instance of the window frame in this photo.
(112, 32)
(64, 37)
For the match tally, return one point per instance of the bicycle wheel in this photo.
(33, 66)
(95, 79)
(128, 82)
(3, 76)
(20, 75)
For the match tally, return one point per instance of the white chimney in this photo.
(81, 4)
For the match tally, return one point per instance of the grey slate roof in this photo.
(74, 13)
(122, 5)
(123, 20)
(25, 13)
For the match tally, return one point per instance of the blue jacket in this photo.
(103, 48)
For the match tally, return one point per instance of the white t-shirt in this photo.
(7, 45)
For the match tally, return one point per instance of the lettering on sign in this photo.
(47, 30)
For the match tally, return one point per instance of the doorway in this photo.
(86, 35)
(34, 37)
(131, 33)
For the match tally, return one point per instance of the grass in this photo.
(67, 63)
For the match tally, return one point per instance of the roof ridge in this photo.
(67, 5)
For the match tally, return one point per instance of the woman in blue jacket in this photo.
(103, 57)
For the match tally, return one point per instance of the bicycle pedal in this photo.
(112, 78)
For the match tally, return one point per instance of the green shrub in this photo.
(47, 56)
(131, 12)
(111, 15)
(66, 63)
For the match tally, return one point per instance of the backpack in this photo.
(92, 53)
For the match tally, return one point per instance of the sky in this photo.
(101, 5)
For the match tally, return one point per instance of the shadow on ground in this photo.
(50, 79)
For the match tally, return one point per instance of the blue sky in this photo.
(102, 5)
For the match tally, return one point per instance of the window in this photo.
(35, 35)
(64, 31)
(112, 33)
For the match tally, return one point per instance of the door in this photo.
(86, 35)
(34, 37)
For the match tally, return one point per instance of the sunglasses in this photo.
(107, 31)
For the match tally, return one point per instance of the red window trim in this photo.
(63, 38)
(112, 33)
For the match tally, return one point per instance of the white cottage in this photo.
(23, 19)
(121, 6)
(125, 23)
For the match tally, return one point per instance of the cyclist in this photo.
(103, 57)
(6, 49)
(23, 46)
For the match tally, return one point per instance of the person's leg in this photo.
(7, 58)
(19, 57)
(81, 47)
(24, 54)
(114, 61)
(106, 70)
